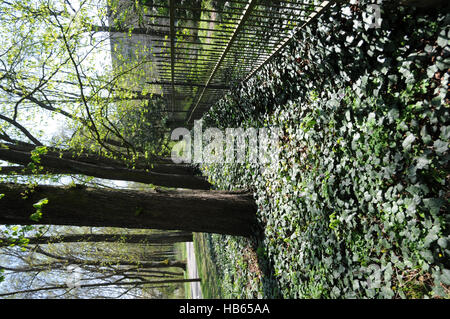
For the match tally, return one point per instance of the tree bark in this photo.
(157, 165)
(124, 283)
(168, 238)
(140, 264)
(68, 166)
(142, 31)
(175, 169)
(188, 210)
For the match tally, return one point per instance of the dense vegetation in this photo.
(357, 205)
(354, 205)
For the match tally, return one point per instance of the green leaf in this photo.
(422, 162)
(36, 216)
(427, 255)
(138, 211)
(40, 203)
(442, 64)
(442, 242)
(445, 132)
(408, 141)
(445, 277)
(442, 39)
(440, 146)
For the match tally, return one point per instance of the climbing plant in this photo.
(357, 205)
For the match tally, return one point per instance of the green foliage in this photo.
(15, 235)
(37, 152)
(67, 76)
(144, 126)
(358, 203)
(37, 215)
(36, 159)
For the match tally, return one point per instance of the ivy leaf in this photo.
(427, 255)
(426, 138)
(393, 114)
(434, 204)
(442, 242)
(408, 141)
(422, 162)
(442, 64)
(440, 146)
(445, 277)
(432, 70)
(445, 132)
(442, 39)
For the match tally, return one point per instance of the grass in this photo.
(181, 249)
(233, 267)
(206, 267)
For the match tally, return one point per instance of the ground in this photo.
(195, 289)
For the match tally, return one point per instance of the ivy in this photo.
(358, 203)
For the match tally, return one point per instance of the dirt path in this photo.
(196, 291)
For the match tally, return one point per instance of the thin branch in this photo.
(135, 283)
(22, 129)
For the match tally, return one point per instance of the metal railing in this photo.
(210, 48)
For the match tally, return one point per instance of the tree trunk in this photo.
(104, 284)
(188, 210)
(139, 264)
(168, 238)
(68, 166)
(157, 165)
(142, 31)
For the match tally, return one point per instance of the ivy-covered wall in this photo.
(358, 205)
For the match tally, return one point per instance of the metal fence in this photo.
(210, 45)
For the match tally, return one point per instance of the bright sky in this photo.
(51, 126)
(102, 60)
(98, 60)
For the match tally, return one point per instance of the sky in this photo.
(54, 125)
(51, 126)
